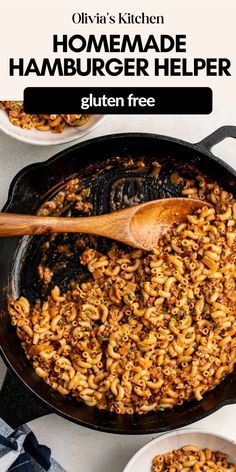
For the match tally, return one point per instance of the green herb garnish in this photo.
(104, 338)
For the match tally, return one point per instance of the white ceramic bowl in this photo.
(142, 460)
(47, 138)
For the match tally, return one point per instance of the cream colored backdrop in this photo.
(27, 28)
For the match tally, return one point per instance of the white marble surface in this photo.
(77, 448)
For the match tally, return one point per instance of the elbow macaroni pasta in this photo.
(148, 331)
(192, 458)
(54, 123)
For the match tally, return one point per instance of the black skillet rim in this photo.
(196, 146)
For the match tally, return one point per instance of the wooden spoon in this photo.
(139, 226)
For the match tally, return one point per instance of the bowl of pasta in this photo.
(189, 449)
(44, 130)
(110, 337)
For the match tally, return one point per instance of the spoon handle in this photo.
(12, 224)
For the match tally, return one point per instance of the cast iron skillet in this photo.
(28, 190)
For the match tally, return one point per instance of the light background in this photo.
(27, 28)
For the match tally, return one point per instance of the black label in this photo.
(118, 100)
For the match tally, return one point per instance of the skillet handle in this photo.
(17, 405)
(217, 136)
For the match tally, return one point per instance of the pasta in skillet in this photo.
(148, 331)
